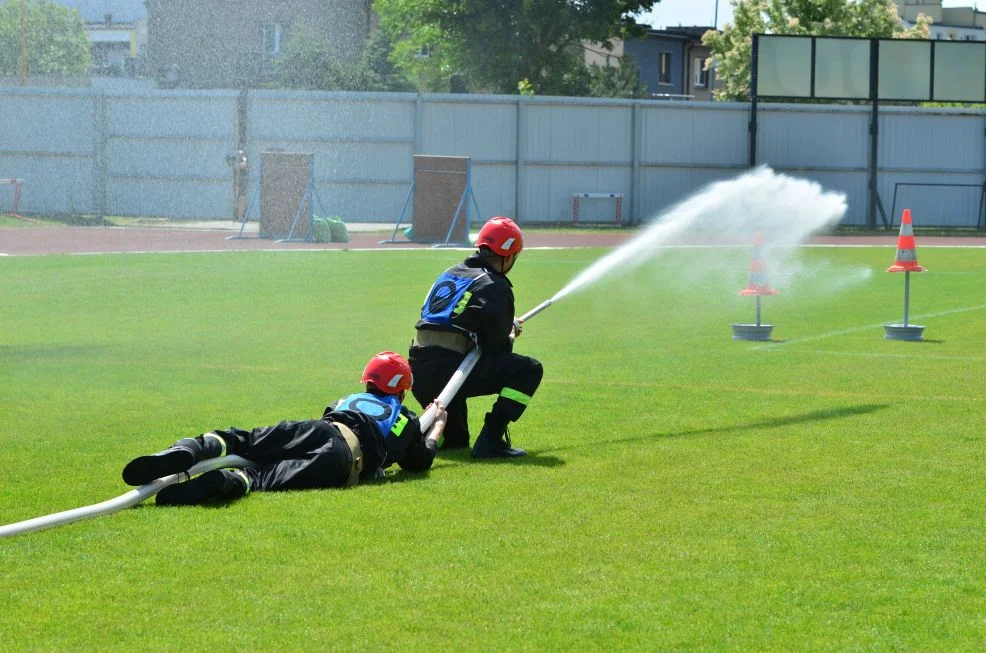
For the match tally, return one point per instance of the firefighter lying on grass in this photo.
(356, 439)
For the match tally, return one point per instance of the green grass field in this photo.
(683, 492)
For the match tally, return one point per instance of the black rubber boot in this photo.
(179, 457)
(494, 441)
(219, 484)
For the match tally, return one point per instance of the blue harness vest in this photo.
(447, 298)
(384, 411)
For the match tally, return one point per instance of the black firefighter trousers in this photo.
(292, 455)
(515, 378)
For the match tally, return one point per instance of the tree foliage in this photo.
(501, 46)
(307, 63)
(56, 42)
(622, 81)
(732, 48)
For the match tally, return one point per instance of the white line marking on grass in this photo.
(240, 251)
(841, 332)
(923, 246)
(292, 249)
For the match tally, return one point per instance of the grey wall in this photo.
(164, 153)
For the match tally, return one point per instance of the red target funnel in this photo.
(757, 282)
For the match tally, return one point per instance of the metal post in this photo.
(520, 152)
(241, 174)
(419, 116)
(635, 137)
(417, 148)
(101, 167)
(874, 131)
(754, 62)
(980, 217)
(758, 310)
(907, 293)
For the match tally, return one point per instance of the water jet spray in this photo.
(790, 209)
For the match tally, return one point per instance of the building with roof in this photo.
(672, 63)
(949, 23)
(117, 31)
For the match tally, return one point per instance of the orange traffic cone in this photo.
(757, 281)
(907, 258)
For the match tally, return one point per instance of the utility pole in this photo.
(715, 21)
(23, 57)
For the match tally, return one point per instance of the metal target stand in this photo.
(310, 197)
(432, 175)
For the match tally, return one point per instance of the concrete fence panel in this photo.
(362, 145)
(484, 130)
(169, 153)
(49, 138)
(932, 163)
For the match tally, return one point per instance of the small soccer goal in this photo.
(597, 214)
(939, 205)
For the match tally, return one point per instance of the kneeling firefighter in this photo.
(473, 302)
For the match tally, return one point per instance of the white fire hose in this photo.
(135, 496)
(131, 498)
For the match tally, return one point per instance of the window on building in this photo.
(701, 75)
(270, 45)
(664, 68)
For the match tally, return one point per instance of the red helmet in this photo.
(389, 372)
(502, 235)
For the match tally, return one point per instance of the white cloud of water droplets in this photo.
(784, 210)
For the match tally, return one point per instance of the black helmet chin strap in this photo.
(507, 263)
(498, 261)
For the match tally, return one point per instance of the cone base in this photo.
(911, 332)
(760, 332)
(759, 290)
(897, 267)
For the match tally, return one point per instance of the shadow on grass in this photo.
(768, 423)
(542, 457)
(533, 458)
